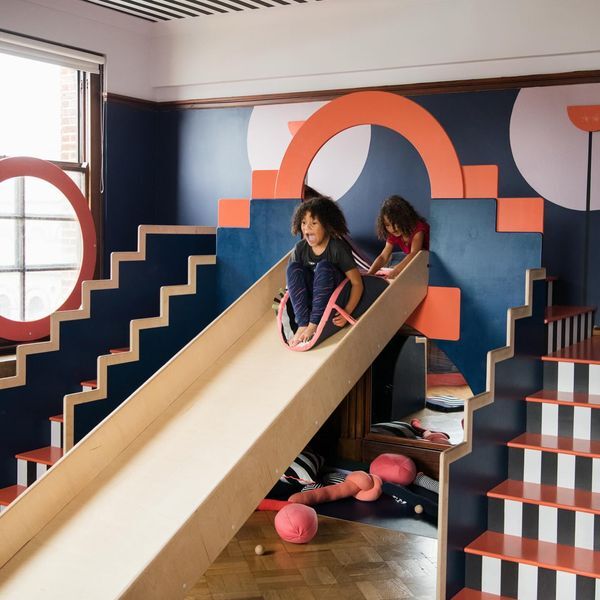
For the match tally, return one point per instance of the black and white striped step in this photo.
(545, 523)
(527, 581)
(571, 377)
(576, 420)
(534, 465)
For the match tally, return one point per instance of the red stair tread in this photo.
(57, 418)
(587, 352)
(118, 350)
(8, 494)
(551, 443)
(469, 594)
(551, 277)
(568, 398)
(547, 495)
(46, 456)
(89, 383)
(557, 557)
(556, 313)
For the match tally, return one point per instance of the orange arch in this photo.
(373, 108)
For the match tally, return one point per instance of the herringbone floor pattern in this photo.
(345, 561)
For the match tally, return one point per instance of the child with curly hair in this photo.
(318, 264)
(400, 225)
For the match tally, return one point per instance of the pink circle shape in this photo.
(25, 166)
(296, 523)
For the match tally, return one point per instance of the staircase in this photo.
(543, 537)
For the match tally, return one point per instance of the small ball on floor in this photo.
(259, 550)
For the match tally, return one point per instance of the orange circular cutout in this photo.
(21, 166)
(389, 110)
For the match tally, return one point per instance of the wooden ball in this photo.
(418, 509)
(259, 550)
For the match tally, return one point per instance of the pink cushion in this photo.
(394, 468)
(296, 523)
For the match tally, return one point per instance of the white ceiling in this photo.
(166, 10)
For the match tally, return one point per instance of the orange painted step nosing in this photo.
(501, 496)
(45, 456)
(57, 418)
(562, 402)
(554, 450)
(469, 594)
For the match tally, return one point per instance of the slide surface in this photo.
(143, 505)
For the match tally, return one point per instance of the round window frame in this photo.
(25, 166)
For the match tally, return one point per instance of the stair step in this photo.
(57, 419)
(118, 350)
(566, 398)
(557, 444)
(8, 494)
(469, 594)
(586, 352)
(547, 495)
(557, 313)
(557, 557)
(45, 456)
(90, 384)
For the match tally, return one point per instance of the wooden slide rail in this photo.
(471, 405)
(133, 354)
(53, 344)
(153, 494)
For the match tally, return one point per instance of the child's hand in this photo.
(303, 335)
(391, 275)
(339, 320)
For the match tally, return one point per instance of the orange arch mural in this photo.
(373, 108)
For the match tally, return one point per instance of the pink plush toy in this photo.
(394, 468)
(296, 523)
(359, 484)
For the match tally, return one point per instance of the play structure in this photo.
(196, 413)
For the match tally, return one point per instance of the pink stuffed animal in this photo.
(359, 485)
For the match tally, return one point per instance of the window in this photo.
(49, 109)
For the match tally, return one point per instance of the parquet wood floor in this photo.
(345, 561)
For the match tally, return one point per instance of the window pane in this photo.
(52, 243)
(8, 232)
(79, 178)
(42, 198)
(38, 109)
(10, 292)
(46, 291)
(7, 196)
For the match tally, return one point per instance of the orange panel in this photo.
(389, 110)
(234, 212)
(586, 118)
(481, 181)
(520, 215)
(438, 316)
(263, 184)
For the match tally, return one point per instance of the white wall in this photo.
(320, 45)
(123, 39)
(353, 43)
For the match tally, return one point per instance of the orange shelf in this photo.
(551, 443)
(469, 594)
(8, 494)
(556, 313)
(566, 398)
(46, 456)
(546, 555)
(547, 495)
(118, 350)
(587, 352)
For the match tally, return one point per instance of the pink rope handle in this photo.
(344, 314)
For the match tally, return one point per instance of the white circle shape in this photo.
(335, 168)
(550, 152)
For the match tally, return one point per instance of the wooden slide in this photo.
(144, 503)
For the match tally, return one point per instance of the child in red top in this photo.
(399, 224)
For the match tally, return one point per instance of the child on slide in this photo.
(400, 225)
(318, 264)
